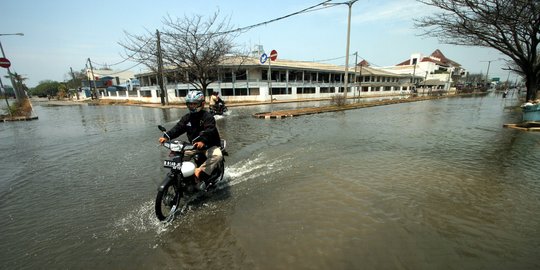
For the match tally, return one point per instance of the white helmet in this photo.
(195, 97)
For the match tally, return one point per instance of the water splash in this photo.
(260, 166)
(141, 219)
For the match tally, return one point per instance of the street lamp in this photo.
(346, 79)
(18, 94)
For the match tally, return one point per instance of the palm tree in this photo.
(18, 80)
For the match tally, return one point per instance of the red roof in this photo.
(363, 63)
(436, 57)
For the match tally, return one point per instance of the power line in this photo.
(309, 9)
(241, 29)
(127, 57)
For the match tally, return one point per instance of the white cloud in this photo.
(389, 11)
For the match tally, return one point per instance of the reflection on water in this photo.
(426, 185)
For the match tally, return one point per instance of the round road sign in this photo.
(273, 55)
(4, 62)
(263, 58)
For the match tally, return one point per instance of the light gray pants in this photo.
(213, 157)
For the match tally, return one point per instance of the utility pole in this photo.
(487, 72)
(93, 80)
(360, 81)
(160, 69)
(269, 75)
(5, 97)
(414, 74)
(425, 78)
(73, 76)
(355, 65)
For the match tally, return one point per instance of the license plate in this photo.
(172, 164)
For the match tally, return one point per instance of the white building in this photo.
(246, 79)
(437, 71)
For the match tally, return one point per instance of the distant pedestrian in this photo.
(505, 93)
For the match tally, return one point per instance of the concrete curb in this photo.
(306, 111)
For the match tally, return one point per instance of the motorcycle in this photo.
(219, 108)
(179, 184)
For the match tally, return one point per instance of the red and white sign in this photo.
(4, 62)
(273, 55)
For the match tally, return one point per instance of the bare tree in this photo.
(144, 49)
(193, 47)
(510, 26)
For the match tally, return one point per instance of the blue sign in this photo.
(263, 58)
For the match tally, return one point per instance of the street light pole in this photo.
(18, 95)
(350, 3)
(346, 77)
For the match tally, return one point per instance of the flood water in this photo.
(426, 185)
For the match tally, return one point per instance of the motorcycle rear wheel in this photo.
(167, 201)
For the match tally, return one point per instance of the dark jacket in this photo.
(199, 126)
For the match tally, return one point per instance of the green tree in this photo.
(510, 26)
(74, 79)
(47, 87)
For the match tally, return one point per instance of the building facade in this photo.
(249, 80)
(438, 72)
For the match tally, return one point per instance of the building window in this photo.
(254, 91)
(327, 89)
(227, 92)
(280, 91)
(241, 75)
(180, 92)
(305, 90)
(295, 76)
(324, 77)
(240, 92)
(227, 76)
(148, 93)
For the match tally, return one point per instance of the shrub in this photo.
(338, 100)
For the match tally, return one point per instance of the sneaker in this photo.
(201, 186)
(203, 177)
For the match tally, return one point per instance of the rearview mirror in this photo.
(162, 128)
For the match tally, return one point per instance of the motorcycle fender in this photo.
(165, 181)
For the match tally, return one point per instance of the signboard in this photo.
(4, 62)
(263, 58)
(495, 79)
(273, 55)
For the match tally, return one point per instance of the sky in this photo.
(63, 34)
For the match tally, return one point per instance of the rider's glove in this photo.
(162, 140)
(199, 145)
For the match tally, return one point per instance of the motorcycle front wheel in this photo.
(167, 201)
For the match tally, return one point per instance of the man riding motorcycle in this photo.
(216, 103)
(200, 128)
